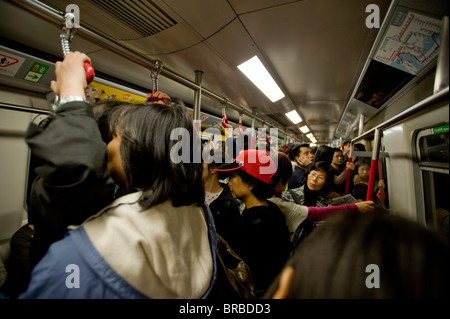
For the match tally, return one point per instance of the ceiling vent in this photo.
(144, 17)
(121, 20)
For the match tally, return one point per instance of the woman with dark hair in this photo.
(158, 240)
(339, 170)
(314, 191)
(323, 153)
(102, 112)
(261, 238)
(296, 214)
(359, 256)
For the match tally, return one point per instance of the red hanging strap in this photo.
(381, 194)
(372, 177)
(349, 176)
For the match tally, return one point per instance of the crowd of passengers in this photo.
(109, 198)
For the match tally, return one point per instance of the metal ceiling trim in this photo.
(381, 31)
(414, 109)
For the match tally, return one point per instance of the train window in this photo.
(433, 148)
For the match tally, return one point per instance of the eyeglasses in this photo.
(313, 174)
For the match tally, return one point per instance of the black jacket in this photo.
(261, 239)
(298, 177)
(72, 178)
(225, 210)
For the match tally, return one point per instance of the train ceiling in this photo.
(315, 50)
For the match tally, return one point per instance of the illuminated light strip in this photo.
(259, 75)
(304, 129)
(293, 117)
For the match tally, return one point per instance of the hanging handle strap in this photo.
(66, 35)
(224, 115)
(155, 75)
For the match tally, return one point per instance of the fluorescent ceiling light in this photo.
(293, 116)
(313, 140)
(310, 135)
(258, 74)
(304, 129)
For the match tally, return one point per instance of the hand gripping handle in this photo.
(90, 72)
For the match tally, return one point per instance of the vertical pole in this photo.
(374, 164)
(361, 124)
(441, 77)
(198, 95)
(349, 171)
(252, 137)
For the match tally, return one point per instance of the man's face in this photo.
(338, 159)
(306, 152)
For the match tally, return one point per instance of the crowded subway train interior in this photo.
(373, 72)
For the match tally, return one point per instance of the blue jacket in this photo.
(74, 269)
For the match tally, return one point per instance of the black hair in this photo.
(324, 153)
(359, 147)
(332, 262)
(261, 190)
(336, 149)
(284, 168)
(214, 157)
(291, 152)
(147, 153)
(311, 197)
(359, 191)
(102, 112)
(362, 161)
(295, 151)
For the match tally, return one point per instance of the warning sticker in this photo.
(36, 71)
(9, 64)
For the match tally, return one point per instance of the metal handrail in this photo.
(432, 99)
(55, 17)
(22, 108)
(427, 102)
(441, 77)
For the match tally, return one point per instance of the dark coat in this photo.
(261, 239)
(225, 210)
(72, 180)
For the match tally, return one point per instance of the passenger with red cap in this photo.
(261, 238)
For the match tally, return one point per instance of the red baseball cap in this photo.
(255, 163)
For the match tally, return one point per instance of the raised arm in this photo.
(320, 213)
(72, 183)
